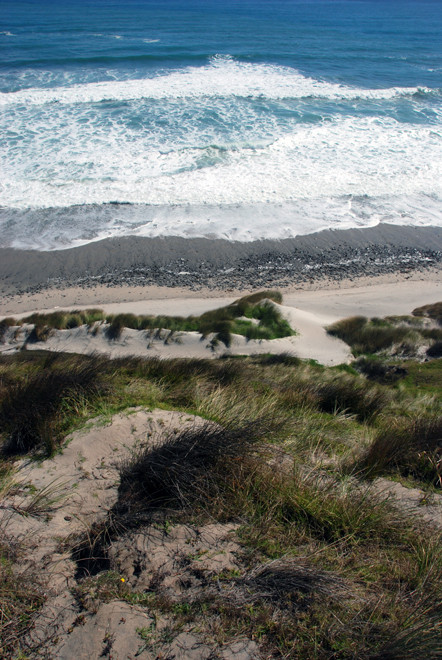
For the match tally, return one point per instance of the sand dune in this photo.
(308, 312)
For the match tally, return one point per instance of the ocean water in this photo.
(240, 119)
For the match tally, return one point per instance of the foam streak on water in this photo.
(226, 147)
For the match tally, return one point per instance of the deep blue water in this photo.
(241, 118)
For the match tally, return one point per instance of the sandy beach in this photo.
(224, 265)
(324, 277)
(308, 311)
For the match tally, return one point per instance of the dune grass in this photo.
(34, 409)
(222, 322)
(432, 311)
(21, 597)
(370, 335)
(287, 452)
(401, 335)
(410, 447)
(254, 317)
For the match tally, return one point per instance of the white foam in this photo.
(203, 162)
(85, 164)
(223, 77)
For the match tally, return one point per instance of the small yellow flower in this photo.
(123, 580)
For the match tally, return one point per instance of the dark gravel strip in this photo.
(219, 264)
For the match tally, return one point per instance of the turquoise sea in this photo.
(241, 119)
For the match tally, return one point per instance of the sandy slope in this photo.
(311, 341)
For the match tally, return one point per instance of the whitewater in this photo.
(224, 147)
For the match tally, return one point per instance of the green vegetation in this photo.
(410, 447)
(63, 320)
(288, 451)
(403, 334)
(222, 322)
(254, 317)
(433, 311)
(21, 597)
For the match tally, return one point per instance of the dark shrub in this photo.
(435, 350)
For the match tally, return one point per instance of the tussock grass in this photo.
(410, 447)
(45, 324)
(191, 471)
(282, 580)
(64, 320)
(370, 336)
(33, 410)
(433, 311)
(405, 333)
(374, 368)
(39, 333)
(336, 392)
(278, 358)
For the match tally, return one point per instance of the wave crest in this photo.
(221, 77)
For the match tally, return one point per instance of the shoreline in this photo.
(352, 274)
(219, 265)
